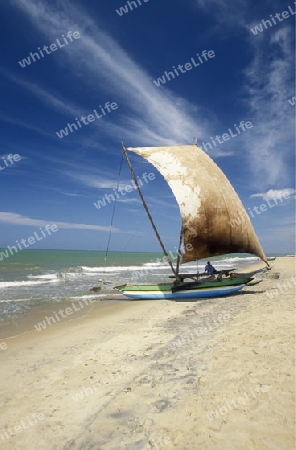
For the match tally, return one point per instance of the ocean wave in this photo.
(15, 300)
(240, 259)
(93, 296)
(157, 264)
(9, 284)
(109, 269)
(46, 276)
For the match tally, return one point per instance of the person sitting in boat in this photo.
(209, 269)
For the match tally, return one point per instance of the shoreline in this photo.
(46, 312)
(158, 374)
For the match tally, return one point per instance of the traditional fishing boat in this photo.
(209, 206)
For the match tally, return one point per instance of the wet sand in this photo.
(210, 374)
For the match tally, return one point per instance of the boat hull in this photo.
(190, 291)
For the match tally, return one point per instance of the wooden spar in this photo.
(147, 210)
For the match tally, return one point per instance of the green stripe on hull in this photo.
(167, 287)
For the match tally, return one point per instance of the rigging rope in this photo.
(113, 212)
(147, 210)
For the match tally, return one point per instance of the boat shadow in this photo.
(235, 294)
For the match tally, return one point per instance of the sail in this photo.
(214, 219)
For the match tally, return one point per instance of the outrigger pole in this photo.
(147, 210)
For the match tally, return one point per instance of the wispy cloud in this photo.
(233, 15)
(153, 115)
(18, 219)
(276, 193)
(51, 99)
(269, 84)
(96, 181)
(157, 116)
(129, 200)
(71, 194)
(159, 202)
(5, 117)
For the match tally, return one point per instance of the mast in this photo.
(147, 210)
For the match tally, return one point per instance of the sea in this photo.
(40, 280)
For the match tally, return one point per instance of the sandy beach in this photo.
(207, 374)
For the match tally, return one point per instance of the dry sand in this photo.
(208, 374)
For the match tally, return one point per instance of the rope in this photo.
(113, 212)
(179, 251)
(147, 210)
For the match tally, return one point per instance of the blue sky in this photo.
(114, 61)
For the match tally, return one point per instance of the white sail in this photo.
(214, 219)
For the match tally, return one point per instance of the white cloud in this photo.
(159, 202)
(269, 85)
(129, 200)
(96, 181)
(276, 194)
(154, 115)
(69, 194)
(17, 219)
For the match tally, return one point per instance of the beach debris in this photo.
(96, 289)
(253, 283)
(275, 275)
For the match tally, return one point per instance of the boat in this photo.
(208, 207)
(182, 290)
